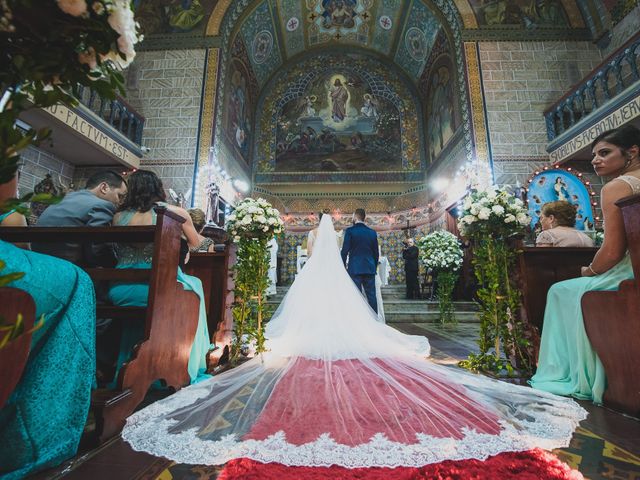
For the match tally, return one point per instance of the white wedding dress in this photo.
(339, 388)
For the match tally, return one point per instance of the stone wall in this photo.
(521, 80)
(166, 88)
(36, 163)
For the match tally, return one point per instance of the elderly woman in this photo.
(558, 220)
(567, 365)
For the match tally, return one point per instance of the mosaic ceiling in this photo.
(403, 31)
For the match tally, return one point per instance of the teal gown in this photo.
(41, 424)
(136, 294)
(567, 364)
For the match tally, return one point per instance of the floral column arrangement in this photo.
(441, 252)
(252, 226)
(490, 219)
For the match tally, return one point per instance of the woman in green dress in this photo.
(144, 192)
(567, 364)
(37, 432)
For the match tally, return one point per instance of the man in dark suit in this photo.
(92, 207)
(410, 254)
(360, 246)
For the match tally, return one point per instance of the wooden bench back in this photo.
(612, 322)
(171, 315)
(540, 267)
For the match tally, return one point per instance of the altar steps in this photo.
(399, 310)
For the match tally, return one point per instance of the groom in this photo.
(360, 244)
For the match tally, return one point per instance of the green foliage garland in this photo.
(490, 218)
(251, 226)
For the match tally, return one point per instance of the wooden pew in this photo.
(612, 322)
(171, 316)
(13, 357)
(215, 271)
(538, 268)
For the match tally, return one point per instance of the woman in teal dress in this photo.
(567, 365)
(41, 424)
(144, 192)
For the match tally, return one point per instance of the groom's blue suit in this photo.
(360, 245)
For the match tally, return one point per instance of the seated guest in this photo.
(35, 431)
(145, 191)
(567, 365)
(198, 218)
(558, 220)
(92, 207)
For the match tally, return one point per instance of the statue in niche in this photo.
(212, 213)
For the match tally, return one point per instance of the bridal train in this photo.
(337, 387)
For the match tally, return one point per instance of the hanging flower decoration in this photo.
(254, 219)
(492, 211)
(440, 250)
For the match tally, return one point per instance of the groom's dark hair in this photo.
(360, 214)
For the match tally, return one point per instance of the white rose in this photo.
(518, 203)
(522, 218)
(246, 220)
(265, 229)
(469, 219)
(74, 8)
(492, 195)
(474, 210)
(509, 218)
(498, 210)
(484, 213)
(467, 203)
(261, 219)
(272, 221)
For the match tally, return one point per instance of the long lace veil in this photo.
(324, 316)
(338, 388)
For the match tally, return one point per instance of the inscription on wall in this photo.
(94, 134)
(623, 115)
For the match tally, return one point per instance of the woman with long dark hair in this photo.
(567, 364)
(145, 191)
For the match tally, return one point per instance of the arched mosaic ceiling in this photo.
(277, 30)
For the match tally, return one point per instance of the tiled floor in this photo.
(606, 446)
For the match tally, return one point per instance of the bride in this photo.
(336, 387)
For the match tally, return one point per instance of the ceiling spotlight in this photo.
(240, 185)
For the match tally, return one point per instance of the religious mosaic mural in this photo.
(338, 124)
(417, 38)
(240, 102)
(259, 34)
(526, 13)
(339, 113)
(441, 119)
(553, 185)
(173, 16)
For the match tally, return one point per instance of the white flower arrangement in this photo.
(492, 211)
(254, 219)
(440, 250)
(120, 18)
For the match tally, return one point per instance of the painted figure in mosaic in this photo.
(184, 15)
(339, 97)
(369, 107)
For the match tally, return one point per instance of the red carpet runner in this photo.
(531, 465)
